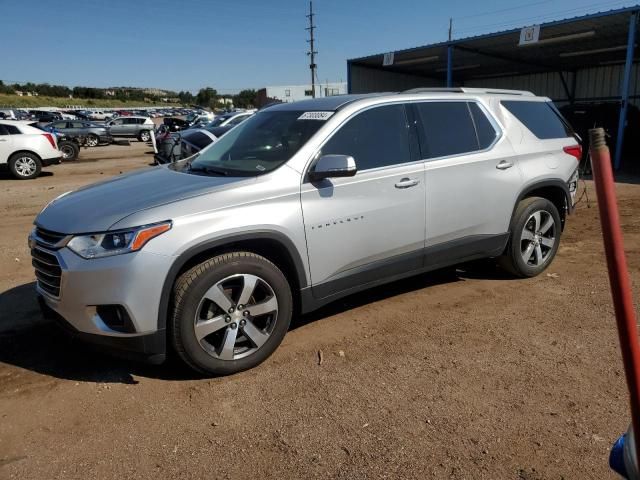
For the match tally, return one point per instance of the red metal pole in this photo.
(618, 272)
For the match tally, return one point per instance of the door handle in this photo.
(407, 182)
(3, 139)
(503, 165)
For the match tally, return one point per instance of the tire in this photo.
(70, 150)
(535, 237)
(25, 165)
(202, 329)
(93, 140)
(144, 136)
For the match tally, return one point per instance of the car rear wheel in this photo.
(144, 136)
(535, 237)
(69, 150)
(92, 140)
(231, 312)
(25, 166)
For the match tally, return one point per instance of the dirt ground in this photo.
(463, 373)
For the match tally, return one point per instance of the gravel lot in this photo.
(463, 373)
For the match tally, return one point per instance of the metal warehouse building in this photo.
(583, 59)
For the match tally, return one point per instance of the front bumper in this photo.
(132, 281)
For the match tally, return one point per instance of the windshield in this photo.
(218, 121)
(258, 145)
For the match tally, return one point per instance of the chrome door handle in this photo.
(3, 139)
(407, 182)
(503, 165)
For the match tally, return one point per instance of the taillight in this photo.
(574, 151)
(52, 140)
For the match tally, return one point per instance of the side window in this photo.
(76, 124)
(486, 133)
(3, 130)
(445, 128)
(540, 118)
(12, 129)
(377, 137)
(117, 121)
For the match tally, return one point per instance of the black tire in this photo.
(144, 136)
(513, 258)
(70, 150)
(189, 293)
(18, 163)
(93, 140)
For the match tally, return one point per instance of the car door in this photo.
(471, 179)
(370, 226)
(6, 144)
(76, 128)
(117, 127)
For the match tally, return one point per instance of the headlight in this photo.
(98, 245)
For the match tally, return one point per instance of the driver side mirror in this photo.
(332, 166)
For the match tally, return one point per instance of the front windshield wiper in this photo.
(209, 170)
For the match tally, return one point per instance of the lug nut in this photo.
(234, 326)
(245, 313)
(231, 310)
(227, 318)
(243, 323)
(240, 307)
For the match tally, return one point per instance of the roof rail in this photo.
(494, 91)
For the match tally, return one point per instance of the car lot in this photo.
(456, 374)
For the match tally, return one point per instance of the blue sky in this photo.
(234, 44)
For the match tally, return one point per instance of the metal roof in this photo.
(565, 45)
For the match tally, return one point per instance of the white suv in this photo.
(299, 205)
(26, 149)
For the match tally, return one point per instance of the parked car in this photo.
(175, 124)
(137, 127)
(99, 115)
(223, 123)
(300, 205)
(68, 146)
(96, 134)
(25, 149)
(8, 114)
(44, 116)
(194, 140)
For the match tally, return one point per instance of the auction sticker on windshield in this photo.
(315, 116)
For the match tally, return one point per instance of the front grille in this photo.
(48, 271)
(48, 237)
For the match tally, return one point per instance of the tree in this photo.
(245, 98)
(207, 97)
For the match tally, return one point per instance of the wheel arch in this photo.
(556, 191)
(23, 150)
(274, 246)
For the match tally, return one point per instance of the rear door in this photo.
(471, 178)
(117, 127)
(370, 226)
(6, 144)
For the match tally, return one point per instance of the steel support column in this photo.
(449, 66)
(624, 94)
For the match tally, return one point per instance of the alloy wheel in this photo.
(25, 166)
(92, 141)
(67, 151)
(145, 136)
(236, 317)
(538, 238)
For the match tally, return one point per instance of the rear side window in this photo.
(12, 130)
(377, 137)
(445, 128)
(485, 131)
(540, 118)
(3, 130)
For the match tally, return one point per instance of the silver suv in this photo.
(300, 205)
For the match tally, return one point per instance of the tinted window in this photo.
(540, 118)
(198, 139)
(12, 129)
(76, 124)
(238, 120)
(3, 130)
(118, 121)
(445, 128)
(485, 131)
(374, 138)
(60, 125)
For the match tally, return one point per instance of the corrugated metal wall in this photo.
(368, 80)
(597, 83)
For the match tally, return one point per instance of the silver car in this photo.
(298, 206)
(132, 126)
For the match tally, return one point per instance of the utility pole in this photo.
(312, 53)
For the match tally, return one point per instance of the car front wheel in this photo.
(144, 136)
(92, 140)
(535, 237)
(231, 312)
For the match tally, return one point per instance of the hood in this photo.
(97, 207)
